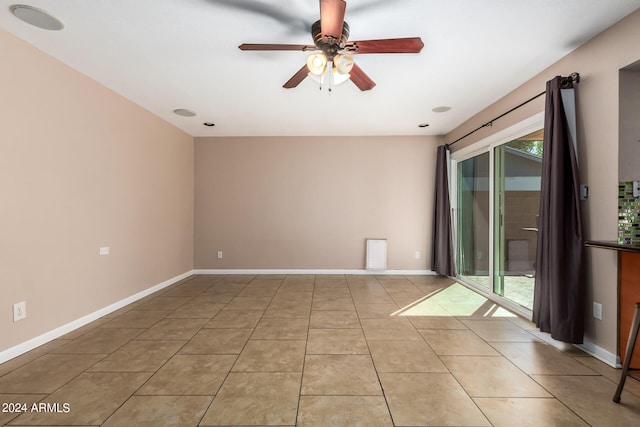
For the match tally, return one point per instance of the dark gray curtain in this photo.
(558, 305)
(443, 262)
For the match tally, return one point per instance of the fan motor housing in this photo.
(330, 46)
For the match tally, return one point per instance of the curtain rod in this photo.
(573, 77)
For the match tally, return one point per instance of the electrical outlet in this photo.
(19, 311)
(584, 192)
(219, 254)
(597, 310)
(417, 254)
(104, 250)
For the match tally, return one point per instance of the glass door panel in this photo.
(499, 257)
(473, 220)
(517, 170)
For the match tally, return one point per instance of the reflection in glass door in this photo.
(517, 170)
(473, 220)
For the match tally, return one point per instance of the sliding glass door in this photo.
(473, 220)
(497, 201)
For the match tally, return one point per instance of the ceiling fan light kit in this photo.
(331, 60)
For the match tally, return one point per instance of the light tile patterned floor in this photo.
(311, 350)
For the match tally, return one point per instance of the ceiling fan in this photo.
(331, 59)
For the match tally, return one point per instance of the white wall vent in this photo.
(376, 254)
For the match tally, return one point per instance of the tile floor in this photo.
(312, 351)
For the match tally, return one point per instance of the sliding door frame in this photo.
(487, 145)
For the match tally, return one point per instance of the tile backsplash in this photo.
(628, 215)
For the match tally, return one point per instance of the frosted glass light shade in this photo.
(317, 63)
(343, 63)
(338, 77)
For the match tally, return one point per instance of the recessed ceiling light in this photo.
(36, 17)
(441, 109)
(209, 124)
(423, 125)
(184, 112)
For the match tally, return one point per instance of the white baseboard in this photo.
(312, 271)
(600, 353)
(65, 329)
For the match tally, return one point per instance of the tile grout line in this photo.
(306, 345)
(384, 395)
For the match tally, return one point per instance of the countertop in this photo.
(612, 244)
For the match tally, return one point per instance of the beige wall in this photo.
(82, 168)
(310, 202)
(598, 62)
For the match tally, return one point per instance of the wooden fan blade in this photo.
(332, 17)
(360, 79)
(405, 45)
(257, 46)
(297, 78)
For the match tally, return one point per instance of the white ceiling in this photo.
(168, 54)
